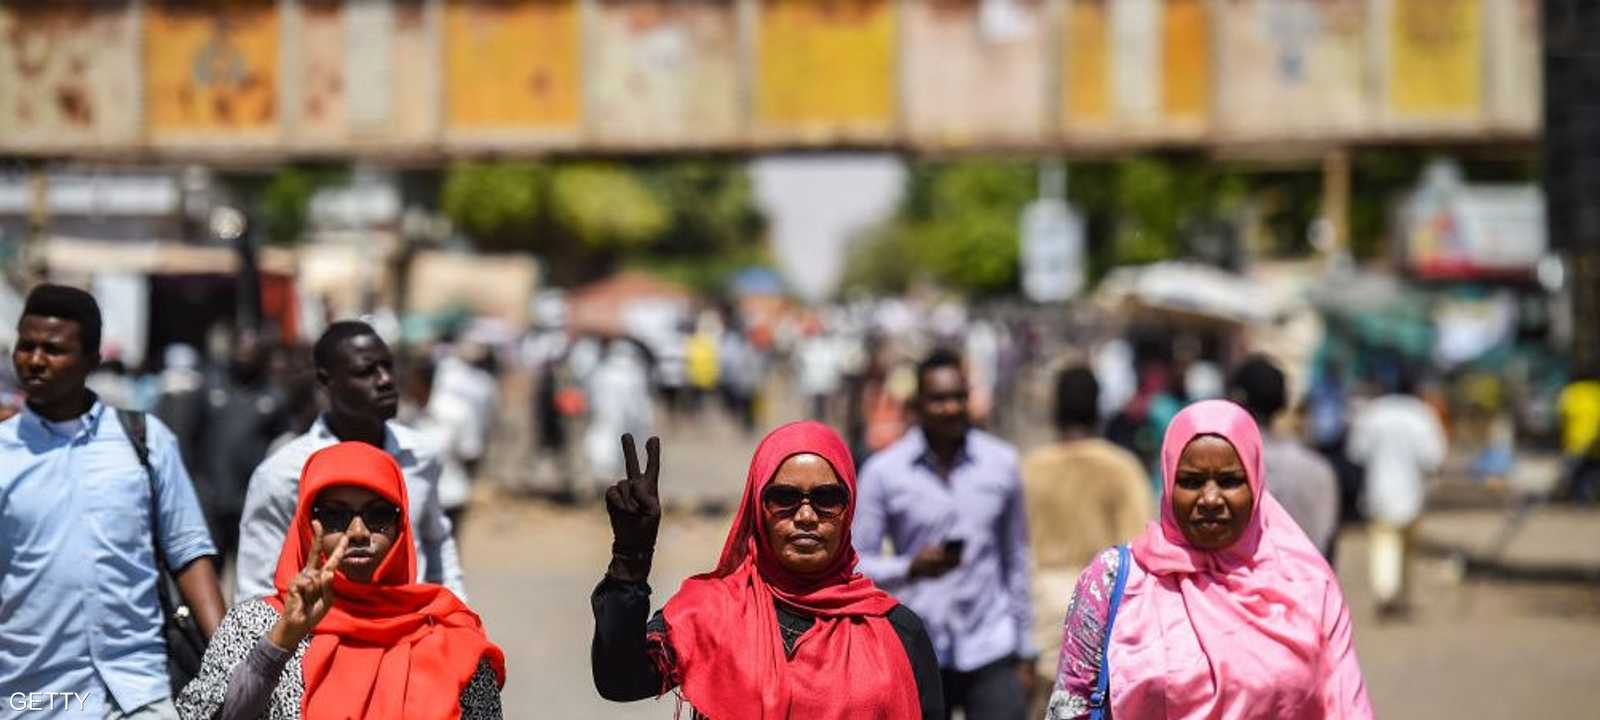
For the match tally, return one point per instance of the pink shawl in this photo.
(1256, 630)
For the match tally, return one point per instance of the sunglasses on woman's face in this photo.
(828, 501)
(378, 517)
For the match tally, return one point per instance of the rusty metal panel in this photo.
(413, 80)
(825, 70)
(320, 105)
(513, 69)
(364, 74)
(211, 71)
(1516, 91)
(68, 76)
(1292, 69)
(974, 71)
(664, 72)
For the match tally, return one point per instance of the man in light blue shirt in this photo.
(80, 620)
(949, 499)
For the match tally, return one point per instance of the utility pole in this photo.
(1572, 162)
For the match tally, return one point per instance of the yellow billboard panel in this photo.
(826, 65)
(1186, 61)
(1086, 64)
(1435, 58)
(513, 65)
(211, 68)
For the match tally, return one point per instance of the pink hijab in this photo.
(1256, 630)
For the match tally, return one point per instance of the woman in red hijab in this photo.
(350, 634)
(784, 627)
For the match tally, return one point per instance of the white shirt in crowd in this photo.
(1400, 441)
(269, 507)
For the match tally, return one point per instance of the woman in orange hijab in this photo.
(350, 633)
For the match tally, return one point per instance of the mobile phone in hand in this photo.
(953, 548)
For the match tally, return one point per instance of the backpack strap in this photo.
(1102, 684)
(133, 425)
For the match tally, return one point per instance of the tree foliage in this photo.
(689, 219)
(607, 207)
(500, 205)
(284, 203)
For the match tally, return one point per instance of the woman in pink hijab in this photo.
(1227, 610)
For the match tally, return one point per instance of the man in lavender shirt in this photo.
(948, 498)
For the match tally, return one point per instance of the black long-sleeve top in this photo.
(624, 670)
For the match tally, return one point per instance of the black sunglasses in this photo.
(828, 501)
(379, 517)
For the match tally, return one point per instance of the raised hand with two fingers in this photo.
(634, 504)
(309, 596)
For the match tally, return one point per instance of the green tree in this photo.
(284, 203)
(500, 205)
(607, 206)
(695, 221)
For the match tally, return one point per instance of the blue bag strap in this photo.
(1102, 683)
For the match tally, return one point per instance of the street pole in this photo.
(1572, 162)
(1336, 199)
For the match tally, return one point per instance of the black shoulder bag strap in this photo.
(185, 643)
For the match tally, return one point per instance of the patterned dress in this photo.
(244, 626)
(1081, 648)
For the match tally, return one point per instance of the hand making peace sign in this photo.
(309, 596)
(634, 504)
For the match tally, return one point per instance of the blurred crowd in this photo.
(849, 364)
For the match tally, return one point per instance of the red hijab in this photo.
(391, 649)
(723, 628)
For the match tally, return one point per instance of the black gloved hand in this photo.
(634, 505)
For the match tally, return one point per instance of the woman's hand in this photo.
(310, 596)
(634, 504)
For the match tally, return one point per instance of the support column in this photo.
(1336, 200)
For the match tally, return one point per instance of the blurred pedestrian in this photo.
(1302, 481)
(819, 370)
(11, 398)
(740, 373)
(440, 433)
(1400, 441)
(349, 632)
(1579, 407)
(546, 354)
(463, 403)
(84, 520)
(783, 626)
(1083, 494)
(243, 414)
(619, 403)
(949, 498)
(1221, 610)
(181, 398)
(356, 372)
(464, 393)
(700, 356)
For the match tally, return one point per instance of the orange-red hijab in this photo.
(392, 649)
(724, 630)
